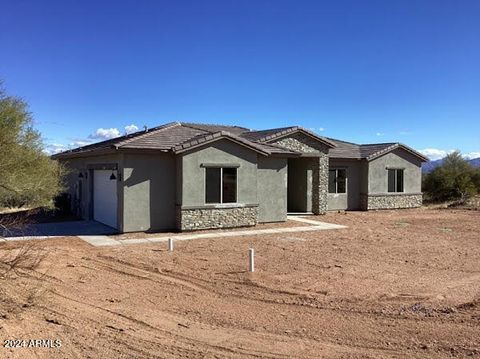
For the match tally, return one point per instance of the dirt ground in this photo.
(394, 284)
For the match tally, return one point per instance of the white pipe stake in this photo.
(170, 245)
(251, 260)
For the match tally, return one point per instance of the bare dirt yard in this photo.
(394, 284)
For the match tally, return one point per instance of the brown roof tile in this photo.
(179, 136)
(349, 150)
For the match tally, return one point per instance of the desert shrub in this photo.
(19, 260)
(454, 179)
(21, 282)
(28, 177)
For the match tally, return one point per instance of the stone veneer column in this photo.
(320, 184)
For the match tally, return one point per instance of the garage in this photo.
(105, 197)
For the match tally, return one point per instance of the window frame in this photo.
(336, 169)
(395, 176)
(222, 184)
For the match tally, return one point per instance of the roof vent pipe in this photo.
(145, 128)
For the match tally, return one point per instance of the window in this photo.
(337, 180)
(395, 180)
(221, 185)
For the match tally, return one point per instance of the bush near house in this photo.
(455, 179)
(28, 177)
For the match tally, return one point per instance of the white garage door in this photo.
(104, 198)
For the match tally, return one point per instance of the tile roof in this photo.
(236, 130)
(349, 150)
(274, 133)
(163, 139)
(202, 139)
(177, 137)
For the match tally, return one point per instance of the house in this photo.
(189, 176)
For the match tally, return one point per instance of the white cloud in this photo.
(79, 143)
(99, 135)
(316, 129)
(379, 133)
(105, 133)
(472, 155)
(435, 153)
(131, 128)
(54, 148)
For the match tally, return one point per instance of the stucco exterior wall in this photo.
(149, 192)
(272, 189)
(356, 178)
(378, 196)
(222, 152)
(85, 203)
(191, 195)
(377, 172)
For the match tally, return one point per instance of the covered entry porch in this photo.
(307, 184)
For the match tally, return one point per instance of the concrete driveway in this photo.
(60, 229)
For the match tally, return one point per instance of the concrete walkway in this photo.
(314, 222)
(92, 232)
(98, 240)
(317, 226)
(58, 229)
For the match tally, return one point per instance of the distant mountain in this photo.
(431, 165)
(475, 162)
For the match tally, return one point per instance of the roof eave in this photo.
(76, 154)
(185, 147)
(394, 147)
(295, 129)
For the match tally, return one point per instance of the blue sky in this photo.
(369, 71)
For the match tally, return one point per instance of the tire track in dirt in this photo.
(190, 282)
(248, 334)
(185, 339)
(291, 298)
(177, 280)
(296, 299)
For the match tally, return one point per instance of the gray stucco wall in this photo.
(356, 178)
(221, 152)
(272, 189)
(378, 196)
(145, 189)
(192, 211)
(377, 172)
(149, 192)
(77, 165)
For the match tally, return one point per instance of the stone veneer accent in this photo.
(302, 143)
(391, 201)
(320, 184)
(220, 216)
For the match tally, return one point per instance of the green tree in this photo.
(454, 179)
(28, 177)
